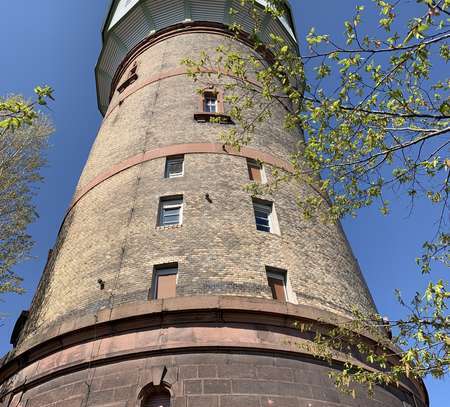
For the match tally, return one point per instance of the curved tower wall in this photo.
(111, 232)
(95, 337)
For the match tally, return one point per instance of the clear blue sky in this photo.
(57, 43)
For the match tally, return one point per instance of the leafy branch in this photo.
(24, 133)
(375, 116)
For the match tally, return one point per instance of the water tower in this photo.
(170, 285)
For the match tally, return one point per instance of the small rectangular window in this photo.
(255, 171)
(277, 282)
(132, 77)
(165, 281)
(174, 166)
(210, 102)
(263, 216)
(171, 211)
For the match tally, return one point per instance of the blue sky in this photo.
(57, 43)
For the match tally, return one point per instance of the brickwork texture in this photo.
(111, 232)
(111, 235)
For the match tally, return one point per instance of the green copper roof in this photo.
(139, 19)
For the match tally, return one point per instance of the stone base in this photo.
(206, 351)
(226, 379)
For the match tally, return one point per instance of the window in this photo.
(210, 102)
(265, 217)
(174, 166)
(158, 397)
(277, 282)
(256, 171)
(211, 108)
(262, 216)
(133, 70)
(165, 281)
(132, 77)
(171, 211)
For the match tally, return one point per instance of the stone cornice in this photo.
(179, 149)
(185, 28)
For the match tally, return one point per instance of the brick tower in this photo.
(169, 285)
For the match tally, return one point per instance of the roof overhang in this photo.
(143, 19)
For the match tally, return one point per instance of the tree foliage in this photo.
(24, 136)
(375, 113)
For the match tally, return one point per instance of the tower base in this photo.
(201, 351)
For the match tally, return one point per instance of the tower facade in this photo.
(170, 285)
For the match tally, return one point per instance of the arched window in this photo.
(156, 396)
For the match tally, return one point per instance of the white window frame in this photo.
(273, 219)
(208, 96)
(167, 172)
(265, 208)
(162, 270)
(170, 203)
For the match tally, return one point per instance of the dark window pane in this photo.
(263, 228)
(160, 399)
(262, 215)
(263, 222)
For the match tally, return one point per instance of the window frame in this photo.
(219, 116)
(273, 218)
(167, 269)
(219, 96)
(210, 95)
(167, 173)
(265, 208)
(165, 202)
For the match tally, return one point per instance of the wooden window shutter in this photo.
(166, 286)
(254, 173)
(277, 287)
(157, 400)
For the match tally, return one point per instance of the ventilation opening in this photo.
(157, 397)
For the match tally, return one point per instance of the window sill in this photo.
(269, 233)
(168, 227)
(205, 117)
